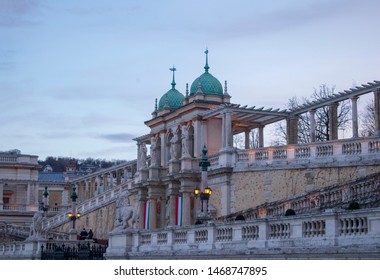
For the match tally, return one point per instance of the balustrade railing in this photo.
(329, 228)
(323, 230)
(313, 228)
(86, 206)
(353, 225)
(336, 150)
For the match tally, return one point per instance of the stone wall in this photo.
(257, 187)
(101, 222)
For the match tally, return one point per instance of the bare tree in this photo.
(322, 118)
(238, 140)
(254, 139)
(368, 120)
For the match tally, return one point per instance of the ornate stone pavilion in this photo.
(182, 125)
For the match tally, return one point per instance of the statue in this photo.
(143, 155)
(185, 142)
(36, 227)
(124, 213)
(153, 152)
(173, 147)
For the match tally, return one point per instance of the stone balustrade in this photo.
(8, 158)
(332, 234)
(14, 230)
(331, 152)
(346, 231)
(86, 206)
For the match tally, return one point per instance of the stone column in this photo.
(312, 125)
(186, 209)
(261, 136)
(141, 211)
(355, 127)
(376, 100)
(105, 181)
(224, 144)
(333, 121)
(172, 210)
(36, 186)
(162, 213)
(1, 195)
(152, 214)
(92, 186)
(27, 195)
(87, 189)
(164, 149)
(138, 157)
(229, 136)
(118, 175)
(173, 193)
(292, 130)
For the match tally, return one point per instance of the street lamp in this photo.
(45, 202)
(73, 215)
(204, 196)
(205, 192)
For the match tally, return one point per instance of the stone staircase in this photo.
(363, 192)
(86, 206)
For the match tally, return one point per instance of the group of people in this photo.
(86, 235)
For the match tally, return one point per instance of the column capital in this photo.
(354, 98)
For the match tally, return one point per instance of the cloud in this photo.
(14, 13)
(257, 20)
(117, 137)
(18, 7)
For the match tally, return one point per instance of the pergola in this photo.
(238, 119)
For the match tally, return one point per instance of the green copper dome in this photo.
(173, 98)
(206, 83)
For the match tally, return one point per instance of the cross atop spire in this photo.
(173, 82)
(206, 66)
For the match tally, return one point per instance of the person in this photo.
(83, 234)
(90, 234)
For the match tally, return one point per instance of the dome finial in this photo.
(206, 66)
(155, 106)
(173, 82)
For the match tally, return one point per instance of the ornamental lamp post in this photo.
(204, 192)
(45, 201)
(73, 215)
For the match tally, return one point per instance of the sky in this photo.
(79, 78)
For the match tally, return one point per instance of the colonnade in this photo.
(292, 121)
(90, 185)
